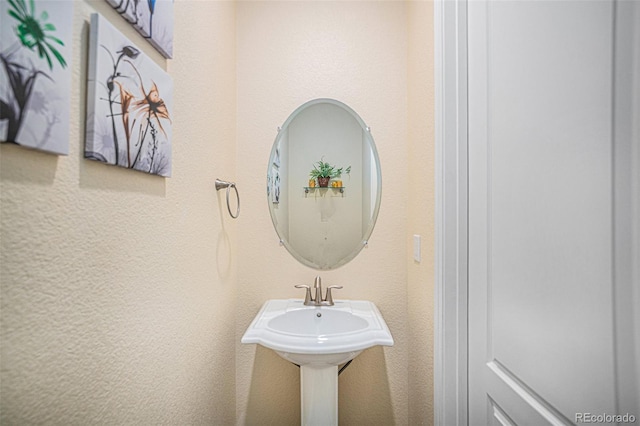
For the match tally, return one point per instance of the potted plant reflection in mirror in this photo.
(323, 172)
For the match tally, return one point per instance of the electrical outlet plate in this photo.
(417, 255)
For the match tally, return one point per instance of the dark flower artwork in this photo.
(152, 18)
(35, 81)
(129, 104)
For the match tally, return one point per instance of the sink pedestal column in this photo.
(319, 395)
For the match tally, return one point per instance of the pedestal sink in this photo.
(318, 339)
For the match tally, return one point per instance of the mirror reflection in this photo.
(323, 184)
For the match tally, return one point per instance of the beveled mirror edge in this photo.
(378, 202)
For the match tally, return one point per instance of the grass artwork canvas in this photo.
(35, 74)
(152, 18)
(129, 104)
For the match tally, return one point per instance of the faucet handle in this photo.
(307, 296)
(329, 298)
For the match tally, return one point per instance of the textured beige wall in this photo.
(421, 207)
(117, 287)
(289, 53)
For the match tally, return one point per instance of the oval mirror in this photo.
(324, 224)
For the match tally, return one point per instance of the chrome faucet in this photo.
(317, 300)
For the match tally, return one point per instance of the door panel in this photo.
(540, 211)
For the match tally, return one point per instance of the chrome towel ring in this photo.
(220, 184)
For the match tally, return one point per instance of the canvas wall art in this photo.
(129, 104)
(152, 18)
(35, 73)
(275, 189)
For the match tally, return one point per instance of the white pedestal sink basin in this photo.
(318, 339)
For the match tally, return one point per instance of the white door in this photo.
(543, 316)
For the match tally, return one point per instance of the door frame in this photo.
(450, 323)
(451, 274)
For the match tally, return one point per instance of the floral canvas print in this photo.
(275, 190)
(152, 18)
(129, 104)
(35, 76)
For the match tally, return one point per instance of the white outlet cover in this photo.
(416, 248)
